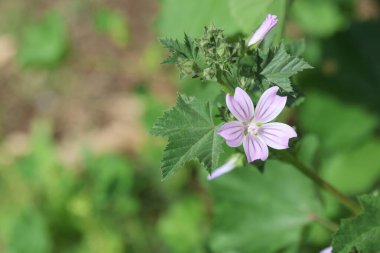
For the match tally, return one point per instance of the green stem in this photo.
(286, 15)
(330, 225)
(225, 84)
(344, 200)
(226, 88)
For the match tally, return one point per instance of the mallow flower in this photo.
(266, 26)
(252, 127)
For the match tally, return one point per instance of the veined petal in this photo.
(269, 106)
(276, 135)
(266, 26)
(233, 133)
(255, 148)
(240, 105)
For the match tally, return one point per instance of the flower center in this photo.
(253, 128)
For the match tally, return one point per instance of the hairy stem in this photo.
(343, 199)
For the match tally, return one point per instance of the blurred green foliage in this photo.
(45, 42)
(54, 208)
(177, 17)
(309, 13)
(338, 126)
(114, 25)
(185, 219)
(234, 16)
(250, 13)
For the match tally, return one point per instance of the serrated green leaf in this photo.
(257, 212)
(192, 137)
(363, 232)
(174, 47)
(184, 55)
(187, 49)
(281, 67)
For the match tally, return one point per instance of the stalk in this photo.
(343, 199)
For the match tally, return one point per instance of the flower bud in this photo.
(327, 250)
(266, 26)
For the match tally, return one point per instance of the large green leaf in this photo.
(192, 136)
(339, 126)
(257, 212)
(249, 14)
(363, 232)
(282, 67)
(354, 171)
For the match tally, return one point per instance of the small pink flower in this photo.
(327, 250)
(252, 128)
(266, 26)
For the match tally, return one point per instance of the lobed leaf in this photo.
(281, 67)
(362, 233)
(191, 136)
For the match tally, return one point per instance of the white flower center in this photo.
(253, 128)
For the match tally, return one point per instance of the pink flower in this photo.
(252, 128)
(266, 26)
(327, 250)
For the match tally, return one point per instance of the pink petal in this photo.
(225, 168)
(255, 148)
(233, 133)
(240, 105)
(269, 106)
(276, 135)
(327, 250)
(264, 29)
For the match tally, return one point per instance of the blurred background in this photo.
(81, 84)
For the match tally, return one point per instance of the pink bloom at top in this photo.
(252, 128)
(266, 26)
